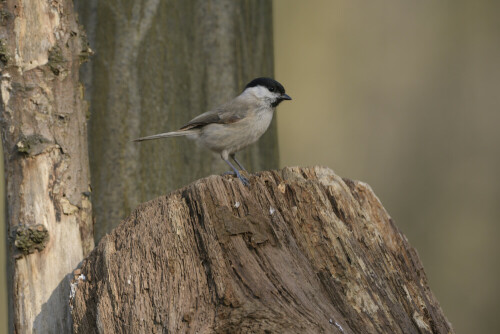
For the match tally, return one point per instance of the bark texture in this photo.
(157, 65)
(44, 135)
(299, 251)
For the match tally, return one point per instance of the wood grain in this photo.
(299, 251)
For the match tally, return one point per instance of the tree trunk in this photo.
(157, 65)
(299, 251)
(44, 137)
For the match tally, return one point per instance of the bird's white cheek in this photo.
(260, 92)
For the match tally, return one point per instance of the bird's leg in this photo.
(243, 179)
(233, 156)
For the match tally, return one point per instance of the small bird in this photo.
(235, 124)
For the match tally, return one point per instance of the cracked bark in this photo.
(44, 136)
(299, 251)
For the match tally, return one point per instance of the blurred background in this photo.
(405, 96)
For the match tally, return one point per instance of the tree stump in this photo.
(299, 251)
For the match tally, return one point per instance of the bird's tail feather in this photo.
(167, 134)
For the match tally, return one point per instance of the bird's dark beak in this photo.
(285, 97)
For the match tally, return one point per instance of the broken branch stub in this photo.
(299, 251)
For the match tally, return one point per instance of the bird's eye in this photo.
(271, 89)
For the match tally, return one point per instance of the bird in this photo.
(236, 124)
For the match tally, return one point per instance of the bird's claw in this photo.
(244, 180)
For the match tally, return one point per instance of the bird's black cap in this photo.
(271, 84)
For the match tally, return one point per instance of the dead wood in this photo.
(299, 251)
(43, 126)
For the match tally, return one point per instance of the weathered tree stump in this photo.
(299, 251)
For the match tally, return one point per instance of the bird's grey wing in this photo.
(202, 120)
(228, 113)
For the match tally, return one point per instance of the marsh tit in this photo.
(235, 124)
